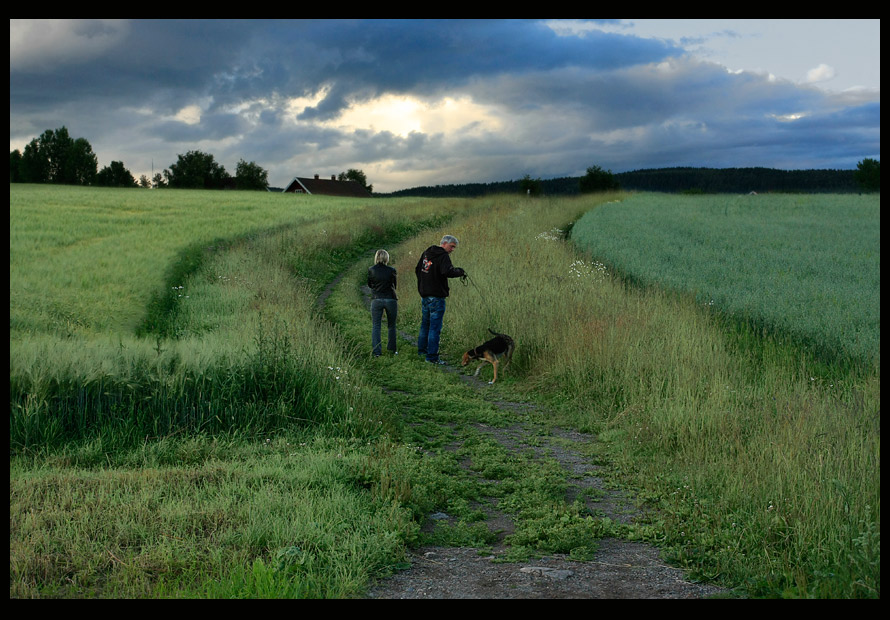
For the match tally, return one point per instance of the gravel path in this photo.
(619, 569)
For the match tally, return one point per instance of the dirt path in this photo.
(620, 568)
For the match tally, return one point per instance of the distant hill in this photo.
(674, 180)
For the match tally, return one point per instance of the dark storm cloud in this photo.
(562, 102)
(432, 55)
(152, 61)
(169, 60)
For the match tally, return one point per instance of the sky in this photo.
(430, 102)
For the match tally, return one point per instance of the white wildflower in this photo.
(554, 234)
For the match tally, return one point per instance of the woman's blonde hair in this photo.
(382, 256)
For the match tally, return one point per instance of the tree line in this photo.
(867, 177)
(199, 170)
(745, 180)
(56, 157)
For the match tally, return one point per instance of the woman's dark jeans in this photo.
(391, 306)
(433, 313)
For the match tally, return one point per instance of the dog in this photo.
(492, 351)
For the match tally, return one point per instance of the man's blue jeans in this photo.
(433, 312)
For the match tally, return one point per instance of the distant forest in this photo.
(674, 180)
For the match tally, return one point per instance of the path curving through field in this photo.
(620, 569)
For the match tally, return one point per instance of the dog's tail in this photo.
(496, 333)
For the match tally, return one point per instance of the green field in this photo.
(226, 439)
(806, 266)
(89, 260)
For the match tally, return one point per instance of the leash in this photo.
(464, 280)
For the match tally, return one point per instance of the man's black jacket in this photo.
(433, 270)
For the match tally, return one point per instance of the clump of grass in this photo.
(274, 519)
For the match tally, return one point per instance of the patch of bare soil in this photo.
(620, 569)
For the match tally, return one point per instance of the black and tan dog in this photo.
(501, 346)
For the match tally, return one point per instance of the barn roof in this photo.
(327, 187)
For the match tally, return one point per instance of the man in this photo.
(433, 270)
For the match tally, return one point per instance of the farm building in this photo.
(327, 187)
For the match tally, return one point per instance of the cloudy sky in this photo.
(418, 102)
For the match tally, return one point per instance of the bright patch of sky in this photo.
(836, 54)
(402, 115)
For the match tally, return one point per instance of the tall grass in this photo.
(765, 460)
(762, 458)
(276, 519)
(234, 344)
(226, 451)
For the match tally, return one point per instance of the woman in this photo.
(382, 282)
